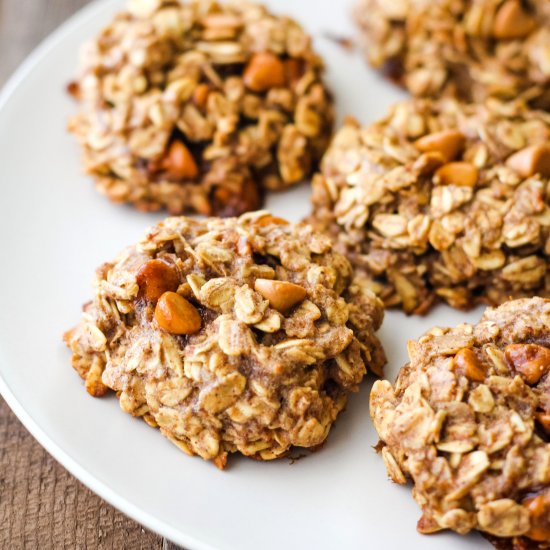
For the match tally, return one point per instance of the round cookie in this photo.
(473, 50)
(200, 106)
(468, 421)
(442, 201)
(236, 335)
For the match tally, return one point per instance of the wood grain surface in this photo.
(42, 506)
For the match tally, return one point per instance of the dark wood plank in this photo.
(41, 505)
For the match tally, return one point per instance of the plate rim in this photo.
(63, 457)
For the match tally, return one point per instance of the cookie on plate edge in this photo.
(468, 421)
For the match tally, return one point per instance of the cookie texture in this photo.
(442, 201)
(469, 49)
(230, 335)
(200, 106)
(468, 421)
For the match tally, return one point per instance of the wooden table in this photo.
(42, 506)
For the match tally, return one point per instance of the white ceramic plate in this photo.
(56, 229)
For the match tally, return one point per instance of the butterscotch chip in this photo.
(448, 143)
(174, 314)
(531, 160)
(512, 21)
(470, 50)
(459, 173)
(200, 96)
(200, 106)
(473, 446)
(467, 364)
(270, 220)
(282, 295)
(179, 163)
(263, 72)
(230, 335)
(442, 201)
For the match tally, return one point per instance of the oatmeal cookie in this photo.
(230, 335)
(470, 49)
(468, 421)
(441, 200)
(200, 106)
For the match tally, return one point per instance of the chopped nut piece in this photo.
(156, 277)
(531, 160)
(447, 142)
(530, 360)
(470, 449)
(511, 21)
(281, 294)
(229, 373)
(459, 173)
(264, 71)
(176, 315)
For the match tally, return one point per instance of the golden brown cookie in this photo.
(468, 422)
(200, 106)
(442, 201)
(470, 49)
(236, 335)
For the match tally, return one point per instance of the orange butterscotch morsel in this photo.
(179, 162)
(282, 295)
(466, 362)
(458, 173)
(530, 360)
(539, 510)
(268, 219)
(156, 277)
(531, 160)
(200, 96)
(176, 315)
(512, 21)
(263, 72)
(447, 142)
